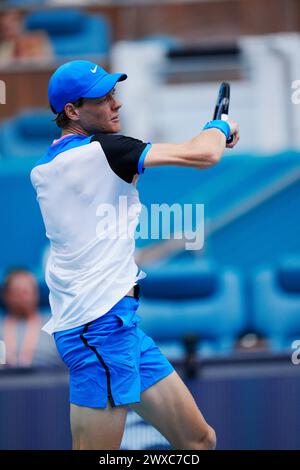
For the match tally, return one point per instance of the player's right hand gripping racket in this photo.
(222, 105)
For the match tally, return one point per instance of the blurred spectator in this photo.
(17, 44)
(20, 329)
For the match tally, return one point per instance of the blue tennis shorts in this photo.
(111, 358)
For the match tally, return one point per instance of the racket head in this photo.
(223, 101)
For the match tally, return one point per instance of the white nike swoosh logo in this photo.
(94, 69)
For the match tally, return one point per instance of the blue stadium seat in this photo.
(180, 281)
(72, 32)
(28, 134)
(197, 299)
(276, 303)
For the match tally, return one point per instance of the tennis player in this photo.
(91, 272)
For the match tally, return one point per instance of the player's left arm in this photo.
(201, 152)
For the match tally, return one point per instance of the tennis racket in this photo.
(222, 105)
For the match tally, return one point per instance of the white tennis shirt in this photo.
(90, 207)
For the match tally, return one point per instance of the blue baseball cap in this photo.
(80, 79)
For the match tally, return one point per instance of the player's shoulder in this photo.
(123, 153)
(118, 145)
(114, 139)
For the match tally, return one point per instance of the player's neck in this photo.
(74, 129)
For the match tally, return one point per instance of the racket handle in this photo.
(224, 117)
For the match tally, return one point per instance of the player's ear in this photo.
(72, 112)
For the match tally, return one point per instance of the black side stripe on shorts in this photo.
(100, 359)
